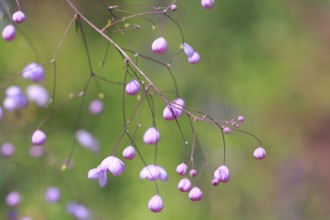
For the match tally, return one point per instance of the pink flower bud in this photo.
(194, 59)
(240, 118)
(129, 153)
(227, 130)
(174, 110)
(37, 94)
(222, 174)
(7, 149)
(38, 137)
(184, 185)
(181, 169)
(195, 194)
(34, 72)
(53, 194)
(13, 199)
(208, 4)
(159, 46)
(215, 182)
(193, 172)
(18, 17)
(259, 153)
(114, 164)
(155, 204)
(133, 87)
(9, 32)
(173, 7)
(95, 107)
(151, 136)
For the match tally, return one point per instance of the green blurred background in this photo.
(267, 60)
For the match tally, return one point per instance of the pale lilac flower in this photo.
(153, 172)
(193, 172)
(184, 185)
(96, 106)
(151, 136)
(34, 72)
(227, 130)
(132, 87)
(15, 99)
(113, 164)
(173, 7)
(208, 4)
(194, 59)
(159, 46)
(13, 199)
(18, 17)
(7, 149)
(129, 153)
(9, 32)
(240, 118)
(99, 174)
(188, 50)
(222, 174)
(259, 153)
(36, 151)
(195, 194)
(37, 94)
(87, 140)
(155, 204)
(174, 110)
(79, 211)
(53, 194)
(181, 169)
(38, 137)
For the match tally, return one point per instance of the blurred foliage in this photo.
(267, 60)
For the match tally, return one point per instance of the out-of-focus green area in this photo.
(267, 60)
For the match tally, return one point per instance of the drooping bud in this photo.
(129, 153)
(132, 87)
(151, 136)
(259, 153)
(222, 174)
(195, 194)
(159, 46)
(37, 94)
(208, 4)
(9, 32)
(188, 50)
(184, 185)
(38, 137)
(194, 59)
(181, 169)
(155, 204)
(95, 107)
(34, 72)
(18, 17)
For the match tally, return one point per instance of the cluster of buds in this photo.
(9, 31)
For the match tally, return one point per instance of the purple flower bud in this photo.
(132, 87)
(13, 199)
(129, 153)
(215, 182)
(208, 4)
(194, 59)
(18, 17)
(240, 118)
(193, 172)
(181, 169)
(96, 107)
(174, 110)
(159, 46)
(7, 149)
(188, 50)
(36, 151)
(173, 7)
(87, 140)
(14, 99)
(195, 194)
(153, 172)
(9, 32)
(227, 130)
(155, 204)
(79, 211)
(38, 137)
(37, 94)
(34, 72)
(151, 136)
(259, 153)
(114, 164)
(222, 174)
(184, 185)
(100, 174)
(53, 194)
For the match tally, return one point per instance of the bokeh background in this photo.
(267, 60)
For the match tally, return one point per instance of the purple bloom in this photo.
(153, 172)
(174, 110)
(36, 151)
(222, 174)
(159, 46)
(79, 211)
(188, 50)
(173, 7)
(184, 185)
(13, 199)
(37, 94)
(181, 169)
(208, 4)
(38, 137)
(259, 153)
(9, 32)
(14, 99)
(194, 59)
(227, 130)
(151, 136)
(34, 72)
(96, 107)
(133, 87)
(113, 164)
(129, 153)
(18, 17)
(7, 149)
(53, 194)
(87, 140)
(195, 194)
(100, 174)
(155, 204)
